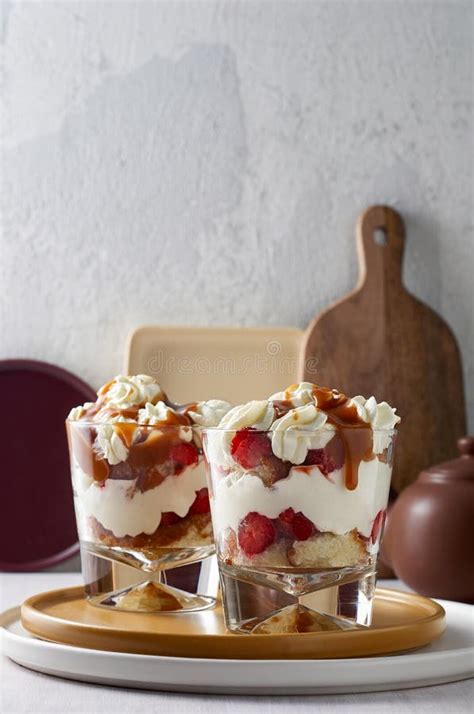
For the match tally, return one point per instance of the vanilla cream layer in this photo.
(126, 512)
(324, 500)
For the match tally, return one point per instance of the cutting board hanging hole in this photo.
(380, 237)
(380, 243)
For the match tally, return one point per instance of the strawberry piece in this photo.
(253, 450)
(169, 519)
(285, 520)
(328, 459)
(320, 458)
(201, 502)
(377, 525)
(184, 454)
(249, 447)
(302, 527)
(256, 533)
(296, 525)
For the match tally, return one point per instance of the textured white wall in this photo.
(204, 163)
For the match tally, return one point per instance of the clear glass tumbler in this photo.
(297, 544)
(149, 511)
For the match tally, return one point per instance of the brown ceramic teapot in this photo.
(429, 538)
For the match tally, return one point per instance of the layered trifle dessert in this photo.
(138, 474)
(300, 484)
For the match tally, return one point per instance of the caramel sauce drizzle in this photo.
(149, 445)
(355, 434)
(150, 451)
(282, 407)
(154, 450)
(184, 408)
(82, 437)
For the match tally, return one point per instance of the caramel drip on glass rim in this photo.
(148, 444)
(355, 434)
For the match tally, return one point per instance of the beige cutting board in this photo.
(233, 363)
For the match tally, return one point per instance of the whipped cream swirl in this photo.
(256, 414)
(305, 426)
(297, 394)
(381, 417)
(298, 431)
(161, 414)
(125, 392)
(111, 445)
(153, 414)
(76, 412)
(141, 397)
(209, 413)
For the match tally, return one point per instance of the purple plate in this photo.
(38, 526)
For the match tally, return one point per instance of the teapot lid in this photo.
(460, 468)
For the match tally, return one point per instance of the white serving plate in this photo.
(449, 659)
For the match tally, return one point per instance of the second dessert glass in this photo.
(141, 498)
(150, 511)
(297, 539)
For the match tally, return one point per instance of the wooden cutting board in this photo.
(381, 340)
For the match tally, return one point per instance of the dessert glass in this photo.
(297, 544)
(149, 511)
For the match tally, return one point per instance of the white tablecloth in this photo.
(25, 691)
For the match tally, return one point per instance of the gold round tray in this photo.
(402, 622)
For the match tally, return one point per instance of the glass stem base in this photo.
(250, 606)
(117, 586)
